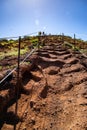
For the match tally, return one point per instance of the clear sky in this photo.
(20, 17)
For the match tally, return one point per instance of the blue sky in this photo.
(20, 17)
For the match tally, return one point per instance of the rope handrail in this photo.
(83, 54)
(78, 50)
(23, 59)
(20, 64)
(14, 37)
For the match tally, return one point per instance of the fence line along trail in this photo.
(53, 91)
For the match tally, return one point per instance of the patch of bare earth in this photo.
(53, 93)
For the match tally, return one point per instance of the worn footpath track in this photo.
(58, 93)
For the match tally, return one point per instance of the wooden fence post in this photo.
(74, 38)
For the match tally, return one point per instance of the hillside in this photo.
(53, 91)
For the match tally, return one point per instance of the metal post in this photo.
(74, 38)
(17, 85)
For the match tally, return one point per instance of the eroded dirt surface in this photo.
(58, 93)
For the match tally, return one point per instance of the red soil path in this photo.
(58, 93)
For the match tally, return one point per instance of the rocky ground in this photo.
(57, 93)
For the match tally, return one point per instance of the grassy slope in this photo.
(10, 48)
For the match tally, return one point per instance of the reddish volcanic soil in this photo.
(57, 92)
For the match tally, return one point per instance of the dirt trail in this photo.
(58, 98)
